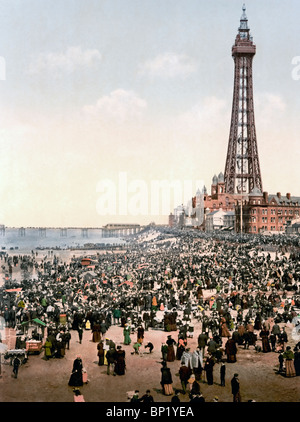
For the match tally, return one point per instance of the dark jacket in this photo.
(111, 355)
(166, 376)
(202, 340)
(235, 386)
(184, 373)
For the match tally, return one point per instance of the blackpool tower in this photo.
(242, 170)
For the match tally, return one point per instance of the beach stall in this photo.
(35, 333)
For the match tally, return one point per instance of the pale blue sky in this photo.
(95, 88)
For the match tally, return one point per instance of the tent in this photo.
(35, 321)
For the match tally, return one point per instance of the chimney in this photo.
(266, 197)
(279, 195)
(288, 195)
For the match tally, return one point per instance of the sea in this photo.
(19, 239)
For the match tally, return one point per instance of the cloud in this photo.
(67, 61)
(205, 116)
(267, 104)
(120, 106)
(169, 66)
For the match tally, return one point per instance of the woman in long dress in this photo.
(120, 364)
(126, 333)
(96, 330)
(180, 348)
(231, 350)
(288, 355)
(166, 380)
(100, 349)
(140, 334)
(171, 352)
(224, 329)
(76, 376)
(264, 335)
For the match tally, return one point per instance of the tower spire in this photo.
(243, 28)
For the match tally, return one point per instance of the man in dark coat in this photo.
(202, 341)
(80, 333)
(184, 373)
(111, 358)
(16, 365)
(208, 368)
(222, 374)
(235, 388)
(212, 347)
(275, 330)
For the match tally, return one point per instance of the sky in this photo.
(116, 111)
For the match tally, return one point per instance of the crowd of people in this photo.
(159, 284)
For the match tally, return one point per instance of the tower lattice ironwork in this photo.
(242, 169)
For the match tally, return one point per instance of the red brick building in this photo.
(262, 212)
(218, 198)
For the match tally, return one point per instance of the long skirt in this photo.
(120, 367)
(225, 332)
(76, 379)
(290, 368)
(231, 358)
(171, 353)
(96, 336)
(265, 345)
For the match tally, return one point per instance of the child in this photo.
(150, 346)
(78, 397)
